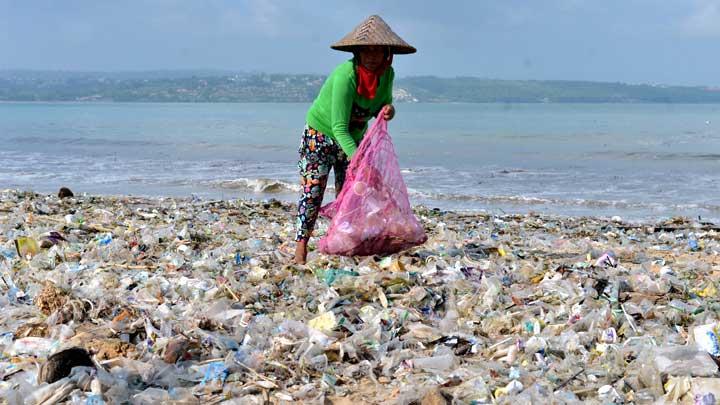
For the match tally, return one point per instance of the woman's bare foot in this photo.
(301, 252)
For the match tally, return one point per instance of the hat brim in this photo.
(373, 31)
(394, 48)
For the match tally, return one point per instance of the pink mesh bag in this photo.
(372, 214)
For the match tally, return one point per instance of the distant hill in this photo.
(223, 86)
(474, 90)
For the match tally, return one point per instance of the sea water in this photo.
(639, 161)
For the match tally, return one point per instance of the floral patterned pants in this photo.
(318, 154)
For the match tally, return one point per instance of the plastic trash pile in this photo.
(124, 299)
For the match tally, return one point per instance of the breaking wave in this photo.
(260, 185)
(521, 200)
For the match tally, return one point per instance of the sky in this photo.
(674, 42)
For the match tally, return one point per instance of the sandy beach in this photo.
(196, 301)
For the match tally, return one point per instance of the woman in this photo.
(355, 91)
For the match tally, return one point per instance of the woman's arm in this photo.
(342, 99)
(389, 108)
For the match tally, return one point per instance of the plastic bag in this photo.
(372, 214)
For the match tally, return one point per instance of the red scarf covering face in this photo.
(368, 80)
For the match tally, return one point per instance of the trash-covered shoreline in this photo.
(192, 301)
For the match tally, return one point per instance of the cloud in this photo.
(266, 19)
(704, 21)
(264, 11)
(266, 16)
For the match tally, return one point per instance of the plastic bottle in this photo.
(693, 243)
(151, 396)
(34, 346)
(6, 339)
(705, 399)
(8, 254)
(449, 323)
(319, 362)
(443, 362)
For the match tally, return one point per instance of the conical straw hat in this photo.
(373, 31)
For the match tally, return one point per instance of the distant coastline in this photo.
(211, 87)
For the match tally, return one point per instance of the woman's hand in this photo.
(388, 112)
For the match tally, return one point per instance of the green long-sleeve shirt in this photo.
(340, 112)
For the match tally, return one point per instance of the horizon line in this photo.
(251, 72)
